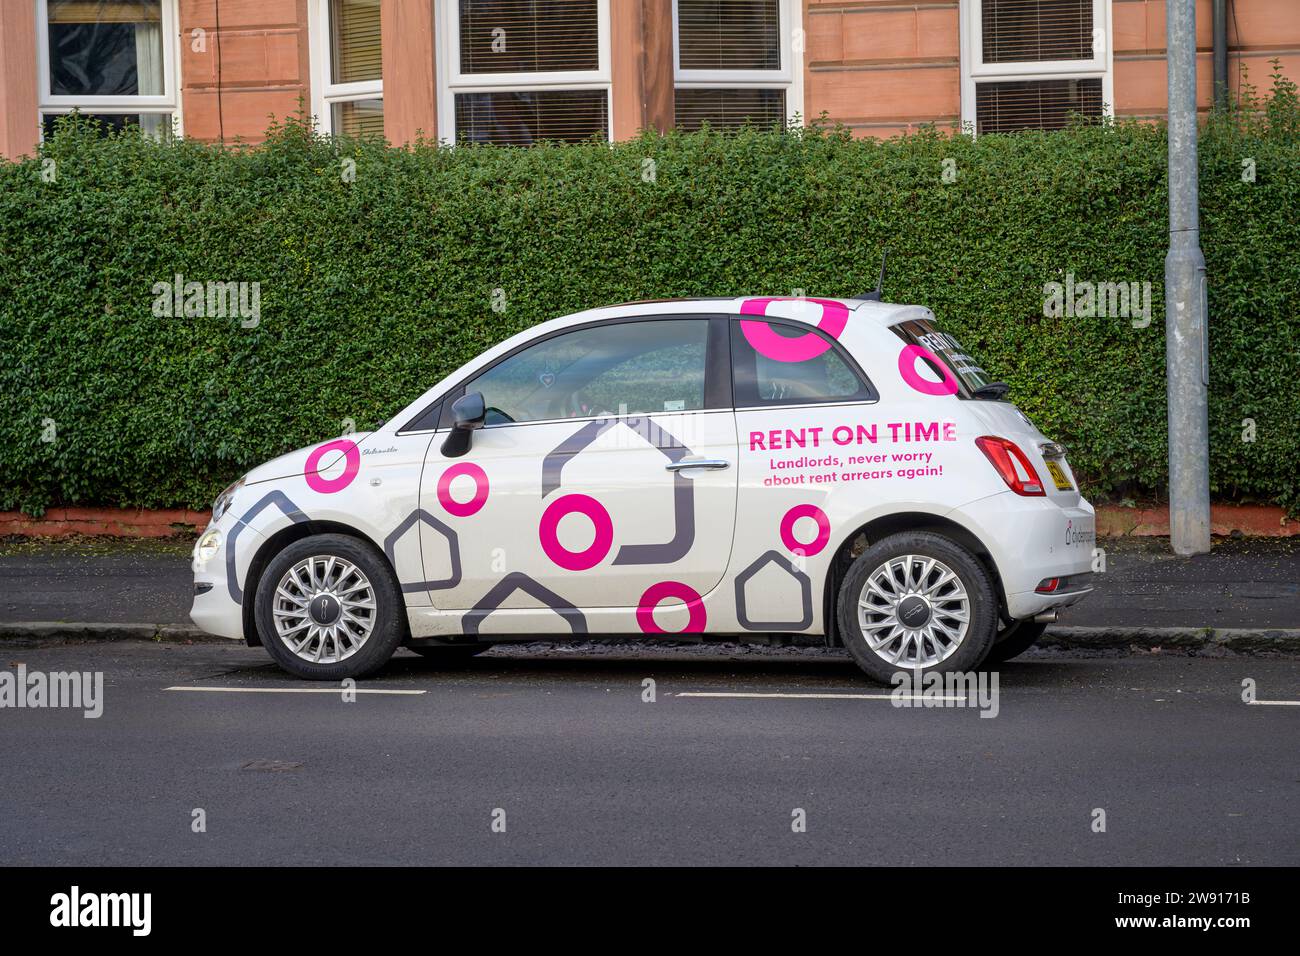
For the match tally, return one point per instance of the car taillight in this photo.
(1048, 585)
(1011, 464)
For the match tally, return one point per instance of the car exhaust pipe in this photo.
(1047, 617)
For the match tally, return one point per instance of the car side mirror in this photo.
(468, 414)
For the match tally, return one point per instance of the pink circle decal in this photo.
(352, 464)
(645, 611)
(576, 560)
(768, 342)
(458, 508)
(907, 368)
(823, 529)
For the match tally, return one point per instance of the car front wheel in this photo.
(917, 602)
(328, 608)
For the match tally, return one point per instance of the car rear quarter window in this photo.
(817, 371)
(948, 350)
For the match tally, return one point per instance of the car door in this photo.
(807, 418)
(582, 488)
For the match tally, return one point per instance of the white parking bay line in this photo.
(1275, 703)
(299, 690)
(816, 696)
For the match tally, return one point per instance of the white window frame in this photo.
(975, 70)
(451, 81)
(324, 91)
(789, 77)
(167, 103)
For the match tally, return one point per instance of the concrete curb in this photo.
(33, 633)
(1137, 640)
(1237, 640)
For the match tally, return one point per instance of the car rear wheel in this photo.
(916, 602)
(329, 608)
(1013, 640)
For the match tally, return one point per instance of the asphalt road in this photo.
(587, 772)
(1247, 583)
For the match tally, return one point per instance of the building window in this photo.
(736, 63)
(348, 64)
(518, 72)
(1031, 64)
(112, 60)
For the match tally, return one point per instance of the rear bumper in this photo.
(1029, 603)
(1031, 539)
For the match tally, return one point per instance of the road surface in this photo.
(583, 770)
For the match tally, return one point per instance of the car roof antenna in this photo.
(874, 294)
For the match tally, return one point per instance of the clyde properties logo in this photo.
(1073, 537)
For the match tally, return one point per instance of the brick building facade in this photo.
(513, 71)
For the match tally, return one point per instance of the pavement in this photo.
(1244, 584)
(96, 579)
(567, 752)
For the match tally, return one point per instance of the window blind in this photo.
(105, 11)
(1019, 31)
(358, 117)
(523, 118)
(356, 53)
(729, 34)
(729, 109)
(1004, 107)
(529, 36)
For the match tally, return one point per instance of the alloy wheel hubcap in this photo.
(324, 609)
(913, 611)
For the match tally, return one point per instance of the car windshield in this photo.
(948, 350)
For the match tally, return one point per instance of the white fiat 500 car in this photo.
(835, 467)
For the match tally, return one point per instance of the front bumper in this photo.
(213, 609)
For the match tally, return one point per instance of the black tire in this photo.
(450, 653)
(969, 653)
(387, 632)
(1013, 640)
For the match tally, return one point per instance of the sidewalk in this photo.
(116, 581)
(1245, 583)
(1242, 583)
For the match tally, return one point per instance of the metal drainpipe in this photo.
(1220, 54)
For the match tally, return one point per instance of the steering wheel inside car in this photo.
(580, 405)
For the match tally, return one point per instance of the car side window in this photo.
(624, 368)
(791, 364)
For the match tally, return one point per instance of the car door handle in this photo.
(685, 463)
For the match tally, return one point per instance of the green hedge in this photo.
(373, 289)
